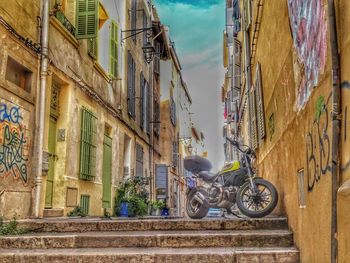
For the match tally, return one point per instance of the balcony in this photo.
(64, 21)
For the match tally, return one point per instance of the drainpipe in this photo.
(336, 121)
(41, 121)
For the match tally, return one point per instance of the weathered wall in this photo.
(298, 118)
(17, 111)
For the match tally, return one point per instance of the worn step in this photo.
(175, 239)
(152, 255)
(93, 224)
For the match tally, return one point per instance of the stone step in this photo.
(152, 255)
(168, 239)
(96, 224)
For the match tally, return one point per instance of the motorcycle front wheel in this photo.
(259, 204)
(195, 209)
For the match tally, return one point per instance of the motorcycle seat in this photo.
(207, 176)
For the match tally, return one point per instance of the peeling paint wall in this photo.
(309, 29)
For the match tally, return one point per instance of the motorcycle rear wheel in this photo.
(259, 205)
(195, 209)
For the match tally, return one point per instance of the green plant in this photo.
(11, 228)
(77, 211)
(134, 192)
(159, 204)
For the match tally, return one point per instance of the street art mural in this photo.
(309, 31)
(14, 143)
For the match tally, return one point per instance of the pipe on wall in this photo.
(336, 122)
(42, 99)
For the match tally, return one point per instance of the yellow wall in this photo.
(287, 149)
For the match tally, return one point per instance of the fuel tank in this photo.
(233, 174)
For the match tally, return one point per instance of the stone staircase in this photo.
(152, 240)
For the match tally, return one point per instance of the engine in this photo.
(222, 196)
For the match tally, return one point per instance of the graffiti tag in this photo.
(13, 153)
(11, 114)
(318, 147)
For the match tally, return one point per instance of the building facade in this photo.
(288, 113)
(101, 109)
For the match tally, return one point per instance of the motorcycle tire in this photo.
(244, 204)
(195, 213)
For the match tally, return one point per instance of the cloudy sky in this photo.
(196, 27)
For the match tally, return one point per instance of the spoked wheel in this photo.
(194, 208)
(257, 204)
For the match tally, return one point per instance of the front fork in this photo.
(252, 183)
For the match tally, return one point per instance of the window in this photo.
(260, 104)
(92, 47)
(87, 19)
(172, 111)
(156, 117)
(85, 204)
(161, 181)
(142, 101)
(18, 74)
(145, 24)
(88, 146)
(133, 17)
(139, 160)
(114, 50)
(175, 153)
(131, 85)
(148, 107)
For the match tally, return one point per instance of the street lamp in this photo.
(148, 51)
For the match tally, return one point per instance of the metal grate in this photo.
(85, 204)
(88, 146)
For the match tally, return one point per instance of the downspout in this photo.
(335, 125)
(41, 121)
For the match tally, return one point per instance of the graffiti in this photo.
(318, 145)
(11, 115)
(345, 85)
(14, 153)
(309, 31)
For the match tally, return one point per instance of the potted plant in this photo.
(157, 207)
(132, 197)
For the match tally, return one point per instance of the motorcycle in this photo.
(235, 186)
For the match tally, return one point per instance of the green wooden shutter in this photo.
(114, 50)
(148, 108)
(85, 204)
(88, 146)
(87, 19)
(92, 47)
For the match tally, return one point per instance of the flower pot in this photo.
(165, 212)
(124, 209)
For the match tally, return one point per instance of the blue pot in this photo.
(165, 212)
(124, 209)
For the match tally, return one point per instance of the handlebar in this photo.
(235, 143)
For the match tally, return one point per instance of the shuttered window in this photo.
(156, 117)
(113, 54)
(131, 85)
(145, 24)
(161, 181)
(260, 105)
(142, 101)
(148, 107)
(92, 47)
(87, 146)
(139, 160)
(247, 13)
(172, 111)
(85, 204)
(133, 17)
(253, 134)
(175, 153)
(87, 19)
